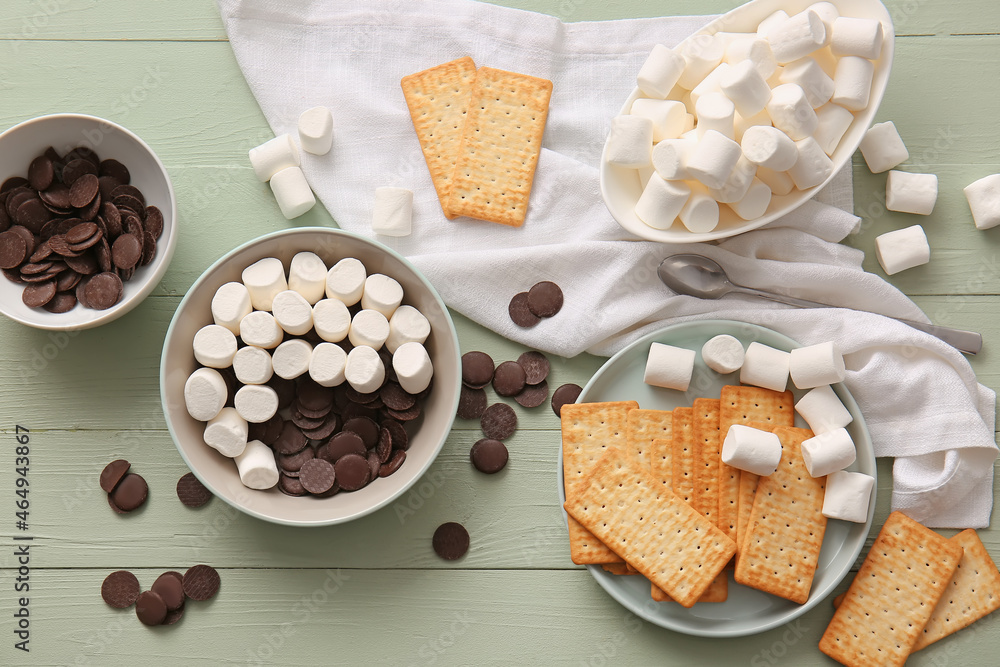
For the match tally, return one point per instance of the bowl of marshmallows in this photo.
(747, 119)
(310, 377)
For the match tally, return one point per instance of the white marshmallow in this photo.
(702, 54)
(882, 147)
(822, 410)
(755, 202)
(701, 212)
(812, 167)
(364, 370)
(292, 192)
(630, 141)
(291, 358)
(660, 72)
(710, 84)
(257, 466)
(205, 394)
(769, 147)
(327, 364)
(272, 156)
(833, 123)
(230, 305)
(713, 159)
(413, 367)
(252, 365)
(393, 211)
(816, 365)
(668, 117)
(292, 313)
(772, 21)
(264, 279)
(779, 182)
(911, 193)
(750, 47)
(738, 183)
(984, 201)
(827, 13)
(688, 124)
(670, 158)
(857, 37)
(256, 403)
(723, 354)
(750, 449)
(369, 327)
(661, 201)
(764, 366)
(214, 346)
(808, 75)
(797, 36)
(852, 82)
(407, 325)
(307, 276)
(741, 124)
(260, 330)
(669, 367)
(382, 293)
(316, 130)
(791, 112)
(332, 320)
(902, 249)
(848, 496)
(644, 175)
(227, 433)
(747, 89)
(346, 281)
(828, 452)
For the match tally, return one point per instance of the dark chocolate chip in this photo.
(39, 294)
(104, 290)
(471, 403)
(477, 369)
(113, 473)
(294, 462)
(366, 428)
(154, 221)
(342, 444)
(567, 393)
(352, 472)
(451, 540)
(384, 447)
(201, 582)
(291, 439)
(317, 475)
(114, 169)
(545, 299)
(519, 312)
(191, 492)
(536, 366)
(62, 302)
(394, 397)
(126, 251)
(130, 493)
(150, 608)
(120, 589)
(488, 455)
(75, 169)
(400, 439)
(170, 589)
(83, 191)
(386, 469)
(533, 395)
(508, 379)
(291, 486)
(499, 421)
(81, 232)
(173, 615)
(13, 249)
(40, 172)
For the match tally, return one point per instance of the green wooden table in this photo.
(373, 590)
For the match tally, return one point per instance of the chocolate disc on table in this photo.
(488, 456)
(536, 366)
(533, 395)
(365, 428)
(545, 299)
(130, 493)
(62, 302)
(567, 393)
(317, 475)
(111, 504)
(173, 615)
(104, 290)
(191, 492)
(451, 541)
(170, 589)
(39, 294)
(201, 582)
(471, 403)
(150, 608)
(477, 369)
(393, 464)
(113, 473)
(519, 312)
(120, 589)
(352, 472)
(13, 250)
(508, 380)
(499, 421)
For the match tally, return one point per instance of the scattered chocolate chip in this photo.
(471, 403)
(170, 589)
(536, 366)
(519, 312)
(499, 421)
(567, 393)
(150, 608)
(201, 582)
(533, 395)
(477, 369)
(191, 492)
(545, 299)
(508, 380)
(120, 589)
(173, 615)
(113, 473)
(130, 493)
(488, 456)
(451, 540)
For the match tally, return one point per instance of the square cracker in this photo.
(683, 450)
(650, 527)
(643, 427)
(438, 100)
(903, 577)
(501, 140)
(786, 525)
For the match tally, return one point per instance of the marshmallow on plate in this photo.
(816, 365)
(214, 346)
(779, 181)
(407, 325)
(833, 121)
(668, 117)
(984, 201)
(723, 353)
(741, 124)
(713, 159)
(661, 201)
(797, 36)
(753, 49)
(702, 54)
(327, 364)
(737, 184)
(257, 466)
(771, 22)
(264, 279)
(710, 84)
(272, 156)
(751, 449)
(852, 82)
(205, 394)
(307, 276)
(346, 281)
(316, 130)
(292, 313)
(252, 365)
(857, 37)
(291, 358)
(822, 410)
(382, 293)
(630, 141)
(755, 202)
(911, 193)
(332, 320)
(812, 166)
(364, 370)
(701, 212)
(369, 327)
(808, 75)
(230, 305)
(660, 72)
(413, 367)
(227, 433)
(256, 403)
(902, 249)
(764, 366)
(769, 147)
(260, 330)
(848, 496)
(827, 13)
(715, 112)
(669, 367)
(292, 192)
(670, 158)
(791, 112)
(828, 452)
(393, 211)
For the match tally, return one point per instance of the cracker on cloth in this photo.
(643, 427)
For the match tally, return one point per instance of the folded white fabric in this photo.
(919, 396)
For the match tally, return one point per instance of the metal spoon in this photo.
(700, 276)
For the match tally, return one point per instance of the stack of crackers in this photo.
(481, 133)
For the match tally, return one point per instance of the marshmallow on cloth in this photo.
(364, 371)
(822, 410)
(797, 36)
(764, 366)
(661, 201)
(848, 496)
(816, 365)
(316, 130)
(882, 147)
(984, 201)
(911, 193)
(779, 182)
(833, 121)
(214, 346)
(857, 37)
(252, 365)
(257, 466)
(668, 117)
(828, 452)
(292, 192)
(769, 147)
(630, 141)
(307, 276)
(413, 367)
(701, 212)
(393, 214)
(752, 450)
(407, 325)
(227, 432)
(260, 330)
(205, 394)
(791, 112)
(291, 358)
(812, 166)
(852, 82)
(723, 353)
(670, 158)
(715, 112)
(713, 159)
(346, 281)
(256, 403)
(272, 156)
(230, 305)
(264, 279)
(669, 367)
(660, 72)
(327, 364)
(755, 202)
(902, 249)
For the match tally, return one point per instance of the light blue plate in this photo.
(747, 611)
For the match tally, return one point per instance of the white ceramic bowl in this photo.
(219, 473)
(621, 188)
(22, 143)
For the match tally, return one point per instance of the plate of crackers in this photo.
(671, 532)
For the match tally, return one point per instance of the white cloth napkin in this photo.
(919, 396)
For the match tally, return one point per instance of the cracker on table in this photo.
(643, 427)
(884, 612)
(683, 450)
(501, 140)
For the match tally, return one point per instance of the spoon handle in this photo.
(968, 342)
